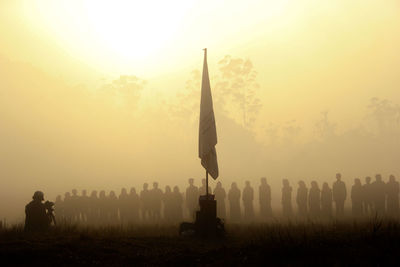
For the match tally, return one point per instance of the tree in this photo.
(124, 91)
(324, 127)
(237, 87)
(189, 99)
(385, 116)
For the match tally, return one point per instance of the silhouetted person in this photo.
(168, 205)
(68, 209)
(286, 199)
(83, 203)
(156, 199)
(234, 203)
(102, 204)
(326, 201)
(392, 191)
(368, 202)
(379, 192)
(192, 198)
(302, 199)
(339, 195)
(357, 198)
(248, 198)
(202, 189)
(93, 213)
(37, 218)
(145, 200)
(264, 195)
(220, 196)
(134, 206)
(314, 200)
(75, 206)
(123, 204)
(177, 200)
(112, 208)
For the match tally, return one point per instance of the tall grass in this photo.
(114, 231)
(275, 231)
(369, 242)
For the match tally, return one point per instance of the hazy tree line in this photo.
(305, 202)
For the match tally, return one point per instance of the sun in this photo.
(116, 32)
(135, 29)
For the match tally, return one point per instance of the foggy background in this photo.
(302, 101)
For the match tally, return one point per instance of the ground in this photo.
(368, 243)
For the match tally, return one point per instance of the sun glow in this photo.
(124, 36)
(135, 29)
(121, 31)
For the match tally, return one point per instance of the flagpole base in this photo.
(207, 223)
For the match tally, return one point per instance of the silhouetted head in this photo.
(314, 185)
(263, 180)
(285, 182)
(302, 184)
(219, 185)
(145, 186)
(378, 178)
(155, 185)
(112, 194)
(38, 196)
(58, 198)
(234, 185)
(357, 181)
(94, 193)
(67, 195)
(325, 186)
(84, 193)
(167, 189)
(392, 178)
(123, 191)
(191, 181)
(176, 189)
(74, 192)
(133, 190)
(338, 176)
(247, 183)
(368, 179)
(102, 194)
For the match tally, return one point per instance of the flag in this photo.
(207, 129)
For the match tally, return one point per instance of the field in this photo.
(368, 243)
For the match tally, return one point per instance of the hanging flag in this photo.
(207, 129)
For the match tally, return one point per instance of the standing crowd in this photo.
(171, 206)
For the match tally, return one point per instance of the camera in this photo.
(49, 206)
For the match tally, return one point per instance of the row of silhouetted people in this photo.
(368, 199)
(170, 205)
(128, 207)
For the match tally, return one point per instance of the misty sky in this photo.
(67, 118)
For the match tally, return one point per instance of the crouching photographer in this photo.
(39, 215)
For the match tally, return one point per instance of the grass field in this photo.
(368, 243)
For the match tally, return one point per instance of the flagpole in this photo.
(207, 184)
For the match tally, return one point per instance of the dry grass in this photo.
(374, 242)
